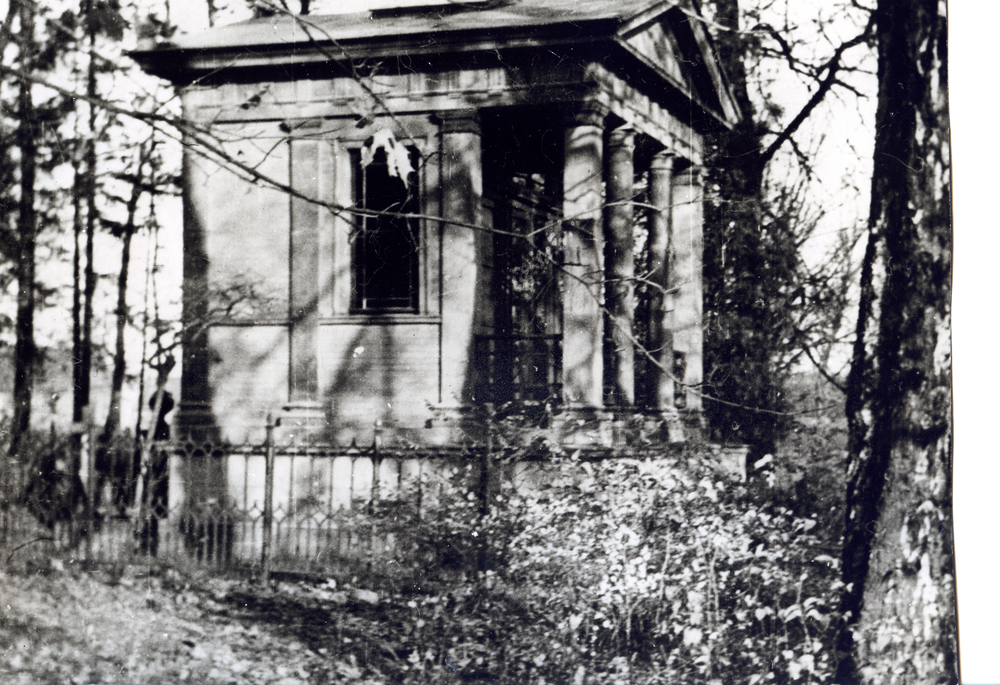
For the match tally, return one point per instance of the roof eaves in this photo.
(251, 47)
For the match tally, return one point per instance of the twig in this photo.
(25, 544)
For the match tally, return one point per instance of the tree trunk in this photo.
(113, 423)
(89, 190)
(24, 347)
(79, 400)
(900, 613)
(125, 232)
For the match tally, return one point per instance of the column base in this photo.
(666, 425)
(608, 427)
(195, 422)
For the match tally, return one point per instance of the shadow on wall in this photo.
(362, 386)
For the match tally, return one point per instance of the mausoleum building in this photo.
(396, 218)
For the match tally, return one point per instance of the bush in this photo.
(44, 479)
(651, 569)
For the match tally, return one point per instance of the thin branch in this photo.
(44, 538)
(832, 67)
(822, 371)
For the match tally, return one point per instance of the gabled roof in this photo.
(414, 20)
(646, 29)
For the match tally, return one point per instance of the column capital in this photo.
(693, 175)
(458, 121)
(586, 113)
(662, 161)
(623, 136)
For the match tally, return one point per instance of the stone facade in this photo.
(394, 218)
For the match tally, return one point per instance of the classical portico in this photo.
(431, 210)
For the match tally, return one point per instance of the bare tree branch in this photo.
(832, 67)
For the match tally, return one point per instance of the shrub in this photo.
(651, 569)
(44, 479)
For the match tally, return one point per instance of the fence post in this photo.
(144, 489)
(6, 490)
(265, 553)
(487, 456)
(374, 495)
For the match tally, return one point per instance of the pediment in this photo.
(678, 49)
(657, 44)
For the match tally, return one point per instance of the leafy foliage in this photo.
(655, 568)
(642, 562)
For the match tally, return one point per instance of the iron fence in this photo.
(257, 507)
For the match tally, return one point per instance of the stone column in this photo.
(461, 202)
(688, 245)
(583, 237)
(620, 261)
(661, 302)
(304, 412)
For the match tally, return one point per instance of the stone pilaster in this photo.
(304, 415)
(461, 203)
(583, 238)
(194, 412)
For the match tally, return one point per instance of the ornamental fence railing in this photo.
(257, 508)
(254, 507)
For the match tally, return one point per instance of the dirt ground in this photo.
(63, 624)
